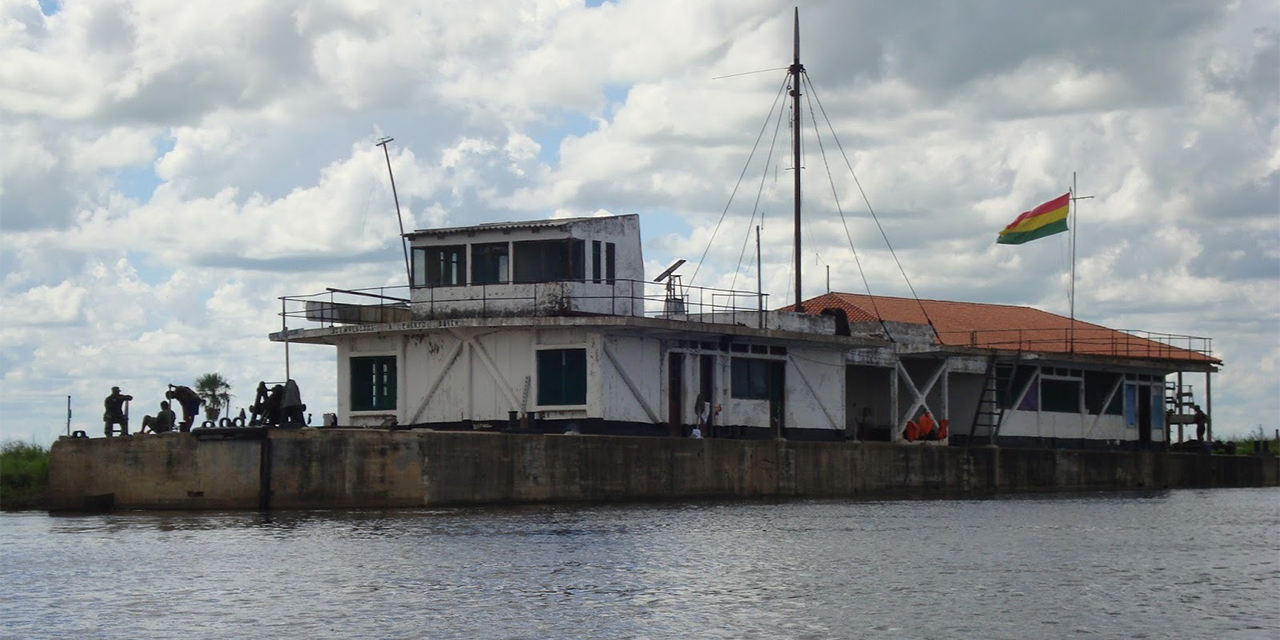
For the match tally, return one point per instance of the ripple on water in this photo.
(1172, 564)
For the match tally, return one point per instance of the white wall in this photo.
(642, 362)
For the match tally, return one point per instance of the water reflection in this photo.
(1179, 564)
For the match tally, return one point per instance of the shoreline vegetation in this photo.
(24, 476)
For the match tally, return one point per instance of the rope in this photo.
(844, 222)
(764, 176)
(872, 211)
(723, 213)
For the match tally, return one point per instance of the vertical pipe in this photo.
(68, 415)
(1177, 404)
(796, 69)
(1075, 220)
(1208, 406)
(759, 281)
(407, 271)
(284, 330)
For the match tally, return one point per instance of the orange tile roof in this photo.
(1013, 328)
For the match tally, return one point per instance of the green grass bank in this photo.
(24, 476)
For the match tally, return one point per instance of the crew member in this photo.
(161, 422)
(190, 402)
(115, 412)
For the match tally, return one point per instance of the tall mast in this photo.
(796, 70)
(403, 243)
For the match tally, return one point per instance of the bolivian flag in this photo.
(1044, 220)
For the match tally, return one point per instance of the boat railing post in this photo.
(284, 327)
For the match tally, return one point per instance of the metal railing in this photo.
(619, 297)
(1134, 343)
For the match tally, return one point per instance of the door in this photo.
(777, 397)
(675, 385)
(706, 388)
(1144, 415)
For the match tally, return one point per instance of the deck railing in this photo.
(1087, 341)
(620, 297)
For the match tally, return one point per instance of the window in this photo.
(562, 377)
(549, 260)
(488, 263)
(597, 261)
(439, 266)
(373, 383)
(610, 262)
(1097, 384)
(750, 378)
(1007, 391)
(1061, 396)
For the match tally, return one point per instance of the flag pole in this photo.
(1075, 221)
(1075, 216)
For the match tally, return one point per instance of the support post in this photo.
(796, 70)
(1208, 406)
(284, 330)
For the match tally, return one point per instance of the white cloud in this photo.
(259, 120)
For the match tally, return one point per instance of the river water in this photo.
(1175, 564)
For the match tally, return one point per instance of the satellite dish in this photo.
(665, 274)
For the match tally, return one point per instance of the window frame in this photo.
(428, 264)
(535, 252)
(562, 378)
(389, 384)
(483, 253)
(749, 378)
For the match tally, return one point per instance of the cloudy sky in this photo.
(168, 170)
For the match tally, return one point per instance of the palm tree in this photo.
(216, 392)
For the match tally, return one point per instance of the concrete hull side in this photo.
(312, 468)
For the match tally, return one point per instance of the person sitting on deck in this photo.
(161, 422)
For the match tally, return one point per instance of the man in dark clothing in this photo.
(190, 401)
(162, 422)
(115, 413)
(1202, 421)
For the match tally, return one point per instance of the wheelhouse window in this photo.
(489, 263)
(1007, 390)
(373, 383)
(1059, 395)
(562, 377)
(750, 378)
(1097, 384)
(439, 266)
(550, 260)
(597, 260)
(610, 262)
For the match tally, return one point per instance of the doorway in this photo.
(777, 396)
(706, 388)
(675, 386)
(1144, 415)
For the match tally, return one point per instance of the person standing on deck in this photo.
(115, 412)
(190, 401)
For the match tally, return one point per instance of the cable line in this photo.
(872, 211)
(843, 221)
(763, 128)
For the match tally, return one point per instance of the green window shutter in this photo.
(562, 377)
(373, 383)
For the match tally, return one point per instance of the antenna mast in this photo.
(403, 244)
(795, 70)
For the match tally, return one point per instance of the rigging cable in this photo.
(873, 212)
(844, 222)
(764, 177)
(763, 128)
